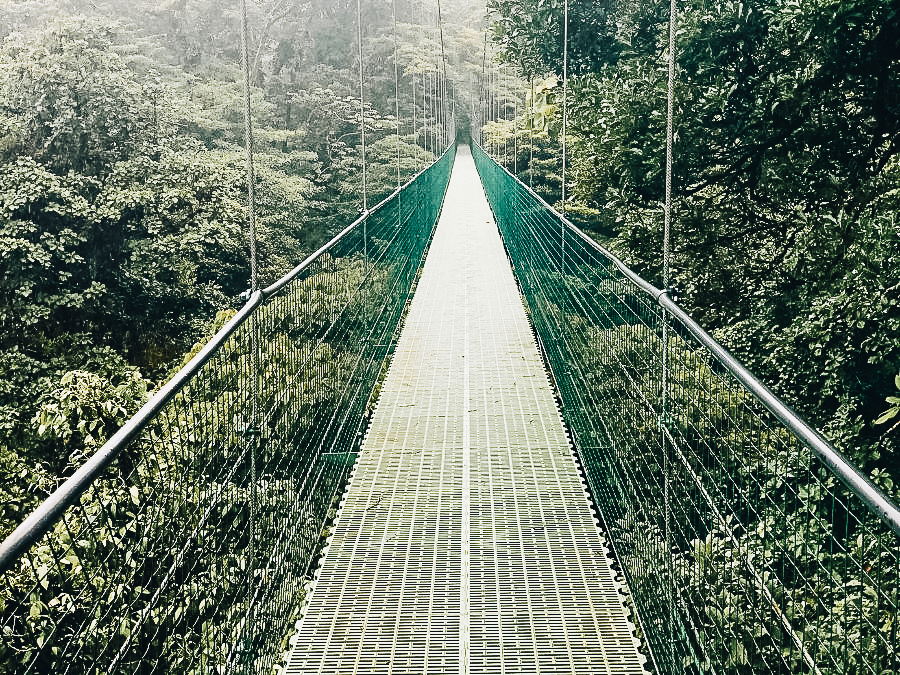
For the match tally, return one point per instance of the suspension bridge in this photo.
(459, 438)
(466, 541)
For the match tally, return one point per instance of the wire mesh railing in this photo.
(748, 543)
(183, 545)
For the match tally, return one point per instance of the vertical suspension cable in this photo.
(562, 229)
(432, 90)
(415, 130)
(510, 87)
(445, 109)
(497, 102)
(482, 95)
(430, 128)
(424, 115)
(436, 107)
(414, 79)
(362, 108)
(664, 361)
(495, 109)
(516, 136)
(248, 142)
(452, 93)
(444, 74)
(496, 139)
(507, 150)
(495, 113)
(565, 97)
(531, 137)
(489, 111)
(252, 430)
(502, 110)
(397, 111)
(435, 120)
(396, 93)
(436, 112)
(670, 133)
(488, 105)
(474, 107)
(475, 110)
(486, 108)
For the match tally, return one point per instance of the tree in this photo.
(70, 100)
(530, 34)
(47, 285)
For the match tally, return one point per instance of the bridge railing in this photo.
(748, 542)
(184, 544)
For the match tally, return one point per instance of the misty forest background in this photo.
(122, 204)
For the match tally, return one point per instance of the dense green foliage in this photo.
(787, 177)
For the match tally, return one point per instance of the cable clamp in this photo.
(673, 292)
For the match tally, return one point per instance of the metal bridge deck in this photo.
(466, 542)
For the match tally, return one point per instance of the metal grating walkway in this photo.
(465, 542)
